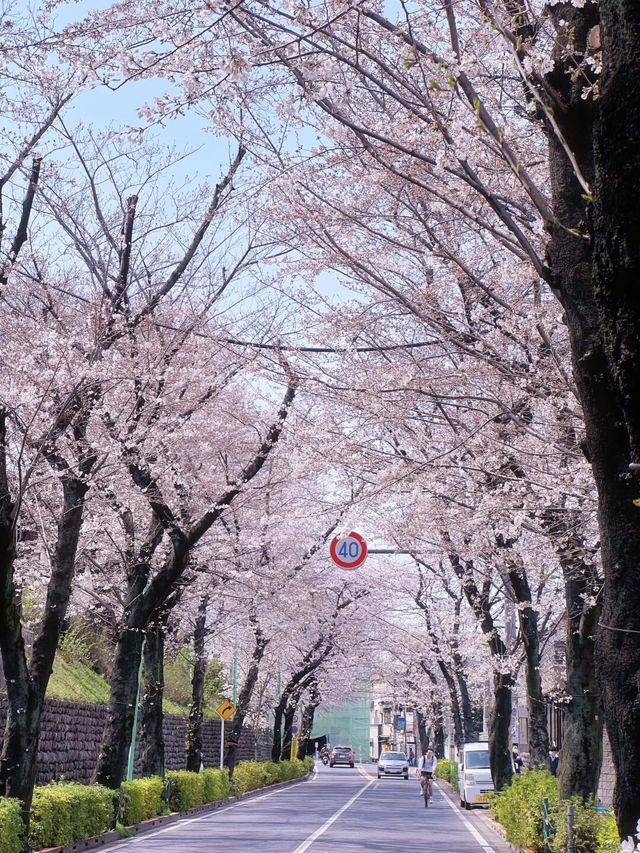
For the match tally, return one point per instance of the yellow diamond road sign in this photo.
(226, 710)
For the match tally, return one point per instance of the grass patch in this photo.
(77, 682)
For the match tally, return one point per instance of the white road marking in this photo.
(315, 835)
(182, 822)
(484, 844)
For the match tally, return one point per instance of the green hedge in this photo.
(217, 785)
(519, 809)
(447, 770)
(11, 825)
(63, 812)
(141, 800)
(187, 790)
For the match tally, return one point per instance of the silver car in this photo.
(393, 764)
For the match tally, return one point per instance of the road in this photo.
(338, 809)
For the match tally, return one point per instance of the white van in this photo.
(474, 775)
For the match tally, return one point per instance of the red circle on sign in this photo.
(357, 560)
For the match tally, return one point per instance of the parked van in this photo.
(474, 775)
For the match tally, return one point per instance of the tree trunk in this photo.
(116, 737)
(287, 735)
(27, 683)
(306, 726)
(278, 713)
(581, 747)
(151, 716)
(438, 730)
(500, 754)
(616, 275)
(422, 732)
(244, 699)
(536, 703)
(194, 729)
(500, 718)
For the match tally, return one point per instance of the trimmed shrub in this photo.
(519, 810)
(447, 770)
(519, 807)
(247, 776)
(141, 799)
(63, 812)
(293, 769)
(271, 772)
(11, 825)
(217, 785)
(187, 790)
(608, 836)
(309, 763)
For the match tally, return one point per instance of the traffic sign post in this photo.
(226, 710)
(349, 551)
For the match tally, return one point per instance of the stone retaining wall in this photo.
(71, 734)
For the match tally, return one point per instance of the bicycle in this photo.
(426, 782)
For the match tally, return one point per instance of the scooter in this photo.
(325, 758)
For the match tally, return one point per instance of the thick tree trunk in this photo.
(438, 730)
(287, 735)
(422, 732)
(306, 726)
(244, 699)
(616, 226)
(116, 737)
(500, 719)
(278, 713)
(581, 748)
(27, 684)
(500, 755)
(536, 703)
(194, 729)
(151, 693)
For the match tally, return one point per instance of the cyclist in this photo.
(428, 764)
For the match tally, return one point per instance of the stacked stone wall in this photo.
(72, 731)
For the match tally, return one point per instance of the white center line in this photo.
(315, 835)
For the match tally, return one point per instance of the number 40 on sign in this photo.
(348, 552)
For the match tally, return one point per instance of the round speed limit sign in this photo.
(348, 552)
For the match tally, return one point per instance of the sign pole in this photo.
(221, 741)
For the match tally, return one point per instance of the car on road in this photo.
(474, 775)
(342, 755)
(393, 764)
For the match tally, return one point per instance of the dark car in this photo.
(342, 755)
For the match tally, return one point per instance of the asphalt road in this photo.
(339, 809)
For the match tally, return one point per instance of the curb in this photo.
(141, 828)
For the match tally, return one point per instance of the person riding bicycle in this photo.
(428, 764)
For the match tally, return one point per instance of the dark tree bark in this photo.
(581, 748)
(152, 690)
(438, 729)
(528, 620)
(27, 681)
(194, 729)
(147, 600)
(306, 726)
(244, 699)
(616, 272)
(500, 718)
(287, 735)
(422, 732)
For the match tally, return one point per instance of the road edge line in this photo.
(482, 841)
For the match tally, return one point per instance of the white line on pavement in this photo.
(315, 835)
(484, 844)
(180, 823)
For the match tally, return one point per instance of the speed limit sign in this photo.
(349, 551)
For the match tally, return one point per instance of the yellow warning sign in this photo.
(226, 710)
